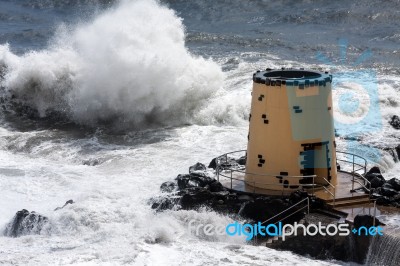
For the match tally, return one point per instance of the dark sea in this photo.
(102, 101)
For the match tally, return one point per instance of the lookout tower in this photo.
(291, 144)
(291, 133)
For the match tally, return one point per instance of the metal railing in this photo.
(286, 210)
(291, 207)
(357, 163)
(327, 190)
(366, 186)
(368, 207)
(221, 167)
(355, 168)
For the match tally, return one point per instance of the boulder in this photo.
(216, 187)
(195, 198)
(376, 182)
(168, 186)
(374, 170)
(387, 190)
(395, 122)
(365, 220)
(163, 203)
(242, 160)
(395, 183)
(297, 196)
(25, 223)
(396, 198)
(385, 201)
(317, 203)
(197, 167)
(183, 182)
(370, 176)
(221, 195)
(397, 149)
(66, 203)
(270, 208)
(213, 163)
(201, 178)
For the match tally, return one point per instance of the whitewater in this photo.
(120, 101)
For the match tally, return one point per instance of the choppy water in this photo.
(147, 89)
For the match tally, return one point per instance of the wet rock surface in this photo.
(25, 223)
(395, 122)
(66, 203)
(386, 192)
(199, 188)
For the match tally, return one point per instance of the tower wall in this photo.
(291, 132)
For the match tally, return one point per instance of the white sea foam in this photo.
(128, 66)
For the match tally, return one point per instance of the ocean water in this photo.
(102, 101)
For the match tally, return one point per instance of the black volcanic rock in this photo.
(202, 178)
(197, 167)
(213, 163)
(297, 196)
(216, 187)
(194, 179)
(25, 223)
(376, 182)
(395, 122)
(198, 188)
(183, 181)
(242, 160)
(168, 186)
(365, 220)
(195, 198)
(66, 203)
(395, 183)
(387, 190)
(262, 209)
(374, 170)
(227, 162)
(163, 203)
(386, 193)
(385, 201)
(371, 176)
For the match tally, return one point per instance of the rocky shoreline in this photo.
(385, 192)
(198, 188)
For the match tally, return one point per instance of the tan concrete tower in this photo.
(291, 132)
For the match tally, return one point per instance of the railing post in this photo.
(313, 185)
(308, 205)
(374, 213)
(231, 178)
(352, 173)
(334, 196)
